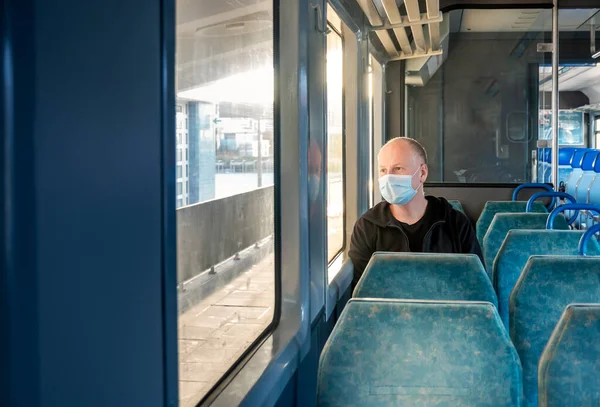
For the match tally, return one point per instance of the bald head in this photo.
(404, 143)
(403, 156)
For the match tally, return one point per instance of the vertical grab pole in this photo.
(555, 96)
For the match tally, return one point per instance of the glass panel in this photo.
(335, 144)
(475, 109)
(225, 215)
(579, 93)
(333, 19)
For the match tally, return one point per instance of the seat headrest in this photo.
(589, 160)
(577, 158)
(597, 166)
(565, 155)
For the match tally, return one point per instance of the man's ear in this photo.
(424, 173)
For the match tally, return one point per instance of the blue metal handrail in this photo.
(583, 242)
(552, 195)
(533, 185)
(572, 207)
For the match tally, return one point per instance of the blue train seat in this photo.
(571, 183)
(594, 191)
(568, 367)
(503, 222)
(491, 208)
(457, 205)
(587, 176)
(546, 286)
(516, 249)
(399, 353)
(583, 184)
(425, 276)
(565, 155)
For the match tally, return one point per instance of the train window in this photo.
(335, 138)
(597, 131)
(225, 216)
(475, 109)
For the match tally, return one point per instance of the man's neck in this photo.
(411, 212)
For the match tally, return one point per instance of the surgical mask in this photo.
(313, 187)
(397, 189)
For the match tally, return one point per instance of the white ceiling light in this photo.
(254, 86)
(235, 27)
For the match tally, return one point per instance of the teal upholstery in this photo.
(516, 249)
(425, 276)
(399, 353)
(503, 222)
(457, 205)
(547, 285)
(570, 362)
(493, 207)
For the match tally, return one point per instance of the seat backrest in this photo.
(503, 222)
(425, 276)
(587, 166)
(565, 156)
(568, 366)
(491, 208)
(546, 286)
(595, 185)
(516, 249)
(577, 171)
(457, 205)
(398, 353)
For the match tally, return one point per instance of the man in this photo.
(408, 221)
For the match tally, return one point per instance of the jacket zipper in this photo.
(439, 222)
(403, 234)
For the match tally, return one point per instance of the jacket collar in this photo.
(381, 215)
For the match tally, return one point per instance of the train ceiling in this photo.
(213, 36)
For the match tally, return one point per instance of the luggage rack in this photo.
(393, 26)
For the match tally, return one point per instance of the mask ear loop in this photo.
(415, 173)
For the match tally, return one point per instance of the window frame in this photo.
(378, 107)
(596, 129)
(281, 343)
(334, 258)
(216, 391)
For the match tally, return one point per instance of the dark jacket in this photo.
(378, 230)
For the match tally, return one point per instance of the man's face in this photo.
(399, 158)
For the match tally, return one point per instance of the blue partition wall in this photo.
(88, 285)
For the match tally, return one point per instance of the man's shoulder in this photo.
(446, 211)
